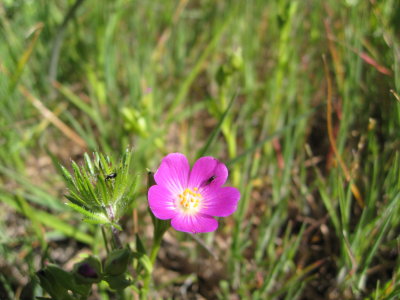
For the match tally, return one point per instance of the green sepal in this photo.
(160, 227)
(116, 225)
(88, 271)
(144, 261)
(117, 261)
(90, 216)
(100, 190)
(118, 282)
(89, 165)
(67, 177)
(140, 246)
(140, 256)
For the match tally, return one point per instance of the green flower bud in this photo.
(233, 64)
(117, 261)
(135, 121)
(88, 271)
(236, 60)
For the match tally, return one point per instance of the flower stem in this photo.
(153, 256)
(114, 231)
(160, 227)
(103, 233)
(116, 238)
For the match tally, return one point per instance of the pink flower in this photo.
(191, 199)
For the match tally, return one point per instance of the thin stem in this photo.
(155, 249)
(114, 231)
(103, 233)
(159, 230)
(153, 255)
(117, 240)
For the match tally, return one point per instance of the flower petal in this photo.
(194, 223)
(161, 202)
(173, 172)
(208, 171)
(220, 202)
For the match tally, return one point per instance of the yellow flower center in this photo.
(189, 200)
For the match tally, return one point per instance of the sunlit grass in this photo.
(243, 81)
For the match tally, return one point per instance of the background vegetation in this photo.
(313, 147)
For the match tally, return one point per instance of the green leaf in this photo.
(52, 221)
(90, 215)
(56, 282)
(277, 133)
(32, 192)
(76, 199)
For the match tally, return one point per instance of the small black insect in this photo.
(111, 176)
(209, 180)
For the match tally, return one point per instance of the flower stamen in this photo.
(189, 200)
